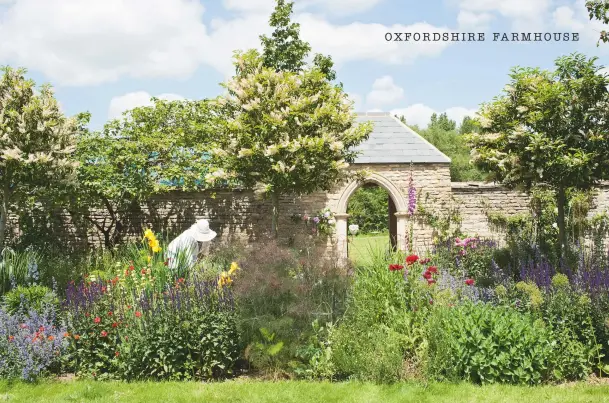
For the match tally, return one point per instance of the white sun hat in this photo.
(201, 231)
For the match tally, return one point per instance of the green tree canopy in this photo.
(442, 122)
(548, 128)
(150, 150)
(599, 10)
(36, 143)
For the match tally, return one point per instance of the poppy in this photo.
(431, 281)
(427, 275)
(51, 338)
(411, 259)
(104, 333)
(425, 261)
(76, 337)
(115, 324)
(394, 267)
(97, 319)
(116, 353)
(469, 281)
(432, 269)
(110, 313)
(66, 334)
(138, 314)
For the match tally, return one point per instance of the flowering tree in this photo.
(151, 150)
(549, 129)
(36, 143)
(599, 10)
(283, 132)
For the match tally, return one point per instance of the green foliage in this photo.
(264, 354)
(282, 132)
(14, 267)
(284, 50)
(317, 354)
(445, 219)
(549, 128)
(368, 208)
(37, 142)
(26, 298)
(469, 125)
(442, 122)
(485, 344)
(599, 10)
(150, 150)
(201, 344)
(382, 330)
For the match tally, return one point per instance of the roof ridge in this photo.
(373, 114)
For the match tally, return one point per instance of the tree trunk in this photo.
(4, 209)
(275, 215)
(562, 233)
(3, 219)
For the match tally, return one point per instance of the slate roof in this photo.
(393, 142)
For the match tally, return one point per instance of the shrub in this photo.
(282, 292)
(17, 268)
(368, 209)
(30, 344)
(25, 298)
(486, 344)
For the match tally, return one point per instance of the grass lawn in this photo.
(281, 392)
(363, 247)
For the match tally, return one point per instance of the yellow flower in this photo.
(156, 249)
(148, 234)
(149, 259)
(233, 268)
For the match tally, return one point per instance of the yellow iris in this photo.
(224, 279)
(233, 268)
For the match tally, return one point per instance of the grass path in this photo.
(301, 392)
(362, 248)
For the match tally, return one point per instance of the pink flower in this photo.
(469, 281)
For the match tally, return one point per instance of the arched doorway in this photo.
(397, 208)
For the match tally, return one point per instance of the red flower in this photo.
(425, 261)
(116, 353)
(104, 333)
(469, 281)
(103, 289)
(394, 267)
(128, 306)
(166, 263)
(109, 313)
(138, 314)
(131, 268)
(431, 281)
(143, 271)
(23, 326)
(87, 314)
(431, 302)
(432, 269)
(411, 259)
(126, 338)
(97, 319)
(115, 324)
(427, 275)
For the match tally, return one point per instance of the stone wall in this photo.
(240, 214)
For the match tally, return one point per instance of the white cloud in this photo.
(474, 22)
(420, 115)
(341, 7)
(75, 42)
(384, 92)
(131, 100)
(574, 18)
(525, 15)
(358, 101)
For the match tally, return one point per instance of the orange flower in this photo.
(11, 338)
(51, 338)
(76, 337)
(138, 314)
(66, 334)
(116, 353)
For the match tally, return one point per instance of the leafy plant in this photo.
(486, 344)
(28, 298)
(264, 354)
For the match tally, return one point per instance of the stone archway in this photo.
(341, 216)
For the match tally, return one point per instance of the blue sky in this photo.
(105, 56)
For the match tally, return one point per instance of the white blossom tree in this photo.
(283, 132)
(36, 142)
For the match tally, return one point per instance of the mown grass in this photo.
(363, 248)
(291, 391)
